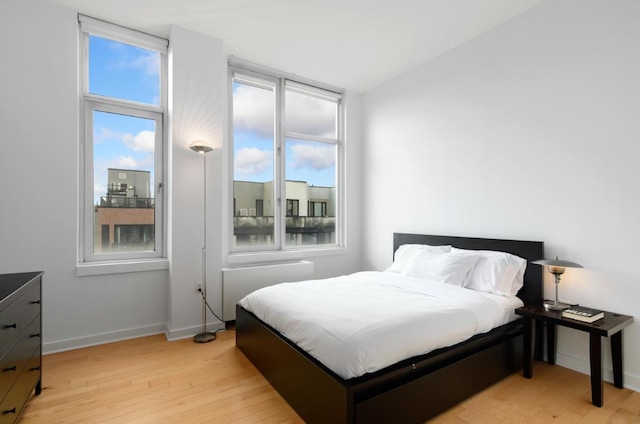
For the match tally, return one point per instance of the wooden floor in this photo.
(150, 380)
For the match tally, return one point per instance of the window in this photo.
(259, 207)
(317, 208)
(287, 147)
(293, 207)
(123, 114)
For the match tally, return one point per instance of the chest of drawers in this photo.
(20, 342)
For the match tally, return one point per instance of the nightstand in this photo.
(610, 326)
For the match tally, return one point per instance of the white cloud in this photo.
(102, 134)
(120, 162)
(129, 57)
(144, 141)
(125, 162)
(148, 62)
(252, 161)
(253, 110)
(314, 157)
(311, 115)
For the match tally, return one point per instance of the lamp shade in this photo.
(556, 267)
(200, 146)
(559, 263)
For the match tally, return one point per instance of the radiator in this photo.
(237, 282)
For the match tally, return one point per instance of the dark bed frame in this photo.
(410, 391)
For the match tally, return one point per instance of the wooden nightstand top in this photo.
(610, 324)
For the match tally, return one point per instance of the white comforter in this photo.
(363, 322)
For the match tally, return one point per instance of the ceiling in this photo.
(352, 44)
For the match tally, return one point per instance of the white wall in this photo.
(530, 131)
(199, 104)
(39, 168)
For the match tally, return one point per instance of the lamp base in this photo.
(204, 337)
(556, 306)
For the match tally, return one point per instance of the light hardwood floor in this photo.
(150, 380)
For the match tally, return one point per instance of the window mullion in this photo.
(158, 190)
(280, 174)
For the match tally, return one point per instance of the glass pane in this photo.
(123, 181)
(310, 192)
(253, 165)
(311, 115)
(123, 71)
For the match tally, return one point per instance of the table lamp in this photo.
(556, 267)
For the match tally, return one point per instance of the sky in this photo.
(310, 161)
(119, 141)
(124, 142)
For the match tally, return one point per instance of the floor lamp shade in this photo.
(202, 147)
(556, 267)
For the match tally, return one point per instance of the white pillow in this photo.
(406, 251)
(495, 272)
(518, 282)
(447, 268)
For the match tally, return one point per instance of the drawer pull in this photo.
(36, 368)
(9, 411)
(7, 369)
(35, 335)
(35, 302)
(14, 325)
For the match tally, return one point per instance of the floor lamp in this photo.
(202, 147)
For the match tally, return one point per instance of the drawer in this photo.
(14, 361)
(17, 316)
(13, 403)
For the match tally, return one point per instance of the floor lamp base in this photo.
(204, 337)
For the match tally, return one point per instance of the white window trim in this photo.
(122, 34)
(90, 107)
(96, 264)
(266, 254)
(120, 267)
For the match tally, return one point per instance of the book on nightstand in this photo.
(583, 314)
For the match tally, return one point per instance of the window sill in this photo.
(120, 267)
(267, 257)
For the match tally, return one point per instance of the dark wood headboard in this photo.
(530, 293)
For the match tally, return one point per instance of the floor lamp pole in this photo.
(205, 336)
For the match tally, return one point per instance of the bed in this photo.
(411, 390)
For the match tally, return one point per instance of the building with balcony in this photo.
(310, 217)
(125, 216)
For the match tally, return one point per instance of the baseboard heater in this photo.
(237, 282)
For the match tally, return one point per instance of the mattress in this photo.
(363, 322)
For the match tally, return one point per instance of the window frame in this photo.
(280, 250)
(90, 103)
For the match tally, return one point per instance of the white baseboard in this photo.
(580, 365)
(132, 333)
(97, 339)
(183, 333)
